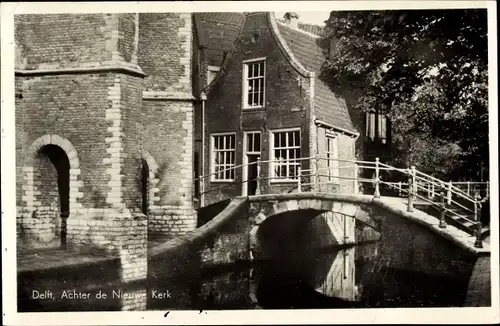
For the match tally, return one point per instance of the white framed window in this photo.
(285, 154)
(252, 142)
(332, 155)
(376, 126)
(212, 71)
(254, 80)
(223, 156)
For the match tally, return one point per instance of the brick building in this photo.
(116, 113)
(214, 36)
(104, 131)
(269, 102)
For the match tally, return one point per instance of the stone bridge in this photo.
(257, 227)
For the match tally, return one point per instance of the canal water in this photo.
(352, 277)
(348, 277)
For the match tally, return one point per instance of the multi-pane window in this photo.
(253, 142)
(332, 155)
(254, 84)
(376, 126)
(223, 157)
(286, 154)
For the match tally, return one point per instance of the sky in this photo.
(312, 17)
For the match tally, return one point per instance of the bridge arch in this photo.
(313, 205)
(333, 222)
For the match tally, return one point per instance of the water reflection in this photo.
(375, 274)
(335, 278)
(307, 280)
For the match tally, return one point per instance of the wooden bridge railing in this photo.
(313, 173)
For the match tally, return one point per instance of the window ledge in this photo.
(331, 183)
(254, 109)
(286, 181)
(221, 181)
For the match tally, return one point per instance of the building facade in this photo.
(104, 130)
(269, 103)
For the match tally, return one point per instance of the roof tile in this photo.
(220, 32)
(329, 107)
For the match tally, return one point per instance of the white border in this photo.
(366, 316)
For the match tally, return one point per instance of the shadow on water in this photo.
(370, 275)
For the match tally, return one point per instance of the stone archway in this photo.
(149, 181)
(50, 191)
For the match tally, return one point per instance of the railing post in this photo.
(442, 219)
(299, 181)
(477, 212)
(468, 188)
(428, 190)
(410, 191)
(448, 195)
(257, 181)
(433, 191)
(414, 179)
(202, 191)
(479, 242)
(377, 179)
(400, 188)
(487, 189)
(356, 173)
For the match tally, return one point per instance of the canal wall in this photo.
(411, 246)
(261, 229)
(222, 240)
(479, 287)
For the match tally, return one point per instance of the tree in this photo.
(430, 67)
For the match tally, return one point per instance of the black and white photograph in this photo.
(302, 161)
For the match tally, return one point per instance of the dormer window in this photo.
(254, 72)
(211, 73)
(377, 126)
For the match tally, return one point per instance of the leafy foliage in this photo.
(430, 68)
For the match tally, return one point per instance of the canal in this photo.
(356, 276)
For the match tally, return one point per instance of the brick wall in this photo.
(62, 39)
(165, 51)
(92, 117)
(71, 40)
(118, 235)
(172, 149)
(78, 88)
(286, 103)
(68, 106)
(165, 48)
(127, 41)
(130, 100)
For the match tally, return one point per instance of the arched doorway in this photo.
(51, 176)
(149, 180)
(145, 187)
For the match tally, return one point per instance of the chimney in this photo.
(291, 19)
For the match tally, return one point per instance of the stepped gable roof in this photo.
(219, 31)
(304, 45)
